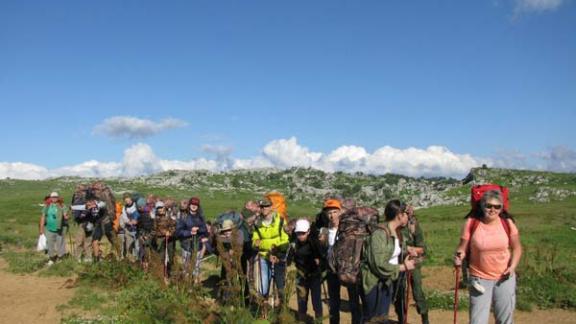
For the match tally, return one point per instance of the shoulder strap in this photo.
(281, 227)
(506, 226)
(473, 227)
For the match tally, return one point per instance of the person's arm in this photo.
(41, 224)
(516, 251)
(124, 218)
(462, 246)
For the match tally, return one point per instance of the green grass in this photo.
(546, 275)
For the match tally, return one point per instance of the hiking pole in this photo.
(271, 285)
(457, 271)
(407, 303)
(166, 257)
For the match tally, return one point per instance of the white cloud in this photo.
(536, 6)
(133, 127)
(20, 170)
(140, 159)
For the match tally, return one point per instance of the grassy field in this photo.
(547, 273)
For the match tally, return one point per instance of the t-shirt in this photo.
(397, 251)
(51, 218)
(489, 248)
(332, 236)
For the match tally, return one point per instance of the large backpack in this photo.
(238, 221)
(346, 255)
(102, 192)
(79, 198)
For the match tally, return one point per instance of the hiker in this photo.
(332, 209)
(272, 243)
(414, 237)
(382, 262)
(97, 210)
(150, 207)
(193, 233)
(229, 247)
(145, 234)
(306, 254)
(163, 234)
(182, 209)
(492, 240)
(53, 215)
(83, 238)
(129, 225)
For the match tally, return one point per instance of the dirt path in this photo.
(30, 298)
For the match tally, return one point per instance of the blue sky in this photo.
(493, 80)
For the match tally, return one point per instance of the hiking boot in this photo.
(425, 318)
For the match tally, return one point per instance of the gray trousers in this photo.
(501, 294)
(53, 244)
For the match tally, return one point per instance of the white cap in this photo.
(54, 194)
(302, 225)
(159, 204)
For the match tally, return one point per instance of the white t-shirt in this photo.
(332, 236)
(397, 251)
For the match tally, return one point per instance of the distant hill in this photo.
(305, 184)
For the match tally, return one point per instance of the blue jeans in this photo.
(377, 302)
(305, 286)
(266, 276)
(354, 296)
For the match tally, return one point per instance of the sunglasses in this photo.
(490, 206)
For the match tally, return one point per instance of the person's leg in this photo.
(51, 245)
(505, 300)
(399, 297)
(80, 243)
(354, 295)
(121, 239)
(418, 294)
(302, 297)
(280, 279)
(264, 276)
(334, 297)
(62, 241)
(316, 294)
(480, 302)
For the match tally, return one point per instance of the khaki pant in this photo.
(53, 240)
(83, 243)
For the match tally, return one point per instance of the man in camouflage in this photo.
(415, 239)
(163, 233)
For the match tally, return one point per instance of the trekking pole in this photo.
(457, 272)
(166, 257)
(408, 280)
(271, 285)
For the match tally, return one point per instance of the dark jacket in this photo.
(304, 254)
(184, 230)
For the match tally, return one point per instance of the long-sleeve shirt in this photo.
(129, 213)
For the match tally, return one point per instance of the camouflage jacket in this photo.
(162, 225)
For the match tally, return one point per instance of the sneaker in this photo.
(50, 263)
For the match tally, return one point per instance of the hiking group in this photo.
(378, 261)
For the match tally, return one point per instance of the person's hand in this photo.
(317, 261)
(257, 243)
(167, 233)
(204, 240)
(194, 230)
(409, 264)
(412, 251)
(458, 258)
(273, 259)
(509, 271)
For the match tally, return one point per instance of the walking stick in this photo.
(271, 285)
(457, 271)
(166, 257)
(407, 303)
